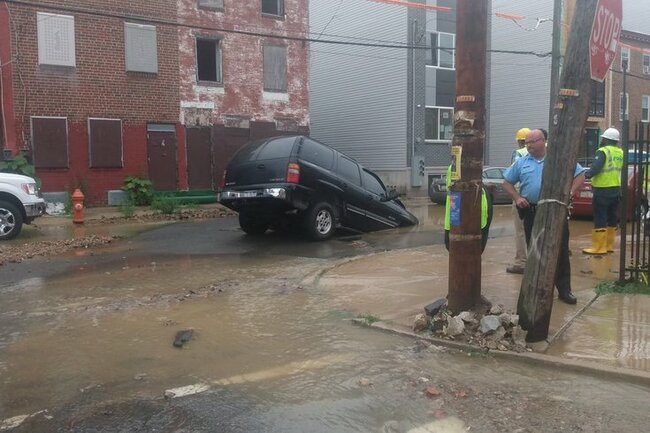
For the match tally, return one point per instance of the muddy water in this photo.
(97, 335)
(595, 336)
(49, 231)
(275, 351)
(92, 323)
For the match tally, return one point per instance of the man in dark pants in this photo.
(528, 172)
(605, 175)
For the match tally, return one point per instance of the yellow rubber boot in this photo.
(598, 242)
(611, 237)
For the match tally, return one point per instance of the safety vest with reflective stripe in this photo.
(484, 205)
(523, 151)
(610, 175)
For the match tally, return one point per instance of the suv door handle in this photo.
(261, 166)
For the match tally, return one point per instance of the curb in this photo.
(635, 377)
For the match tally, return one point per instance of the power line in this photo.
(247, 33)
(631, 75)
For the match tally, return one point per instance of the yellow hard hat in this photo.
(521, 134)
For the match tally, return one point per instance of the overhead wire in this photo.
(244, 32)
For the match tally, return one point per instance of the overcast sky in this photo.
(636, 15)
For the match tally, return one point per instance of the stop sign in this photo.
(605, 34)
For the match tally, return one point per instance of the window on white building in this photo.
(208, 61)
(645, 108)
(140, 48)
(438, 123)
(441, 53)
(624, 106)
(275, 68)
(273, 7)
(56, 43)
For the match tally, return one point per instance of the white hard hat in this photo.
(611, 134)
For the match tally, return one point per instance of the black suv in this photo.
(283, 182)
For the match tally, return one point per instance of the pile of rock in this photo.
(494, 329)
(18, 253)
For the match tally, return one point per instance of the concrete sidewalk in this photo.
(613, 330)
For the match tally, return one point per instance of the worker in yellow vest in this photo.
(605, 174)
(486, 214)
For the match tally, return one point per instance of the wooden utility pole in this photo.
(566, 134)
(468, 141)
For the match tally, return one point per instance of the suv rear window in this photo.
(275, 148)
(316, 153)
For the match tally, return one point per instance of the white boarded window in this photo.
(140, 48)
(275, 68)
(211, 4)
(55, 39)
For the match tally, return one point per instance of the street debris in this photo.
(185, 391)
(431, 391)
(421, 323)
(184, 214)
(364, 381)
(19, 253)
(183, 337)
(433, 308)
(496, 330)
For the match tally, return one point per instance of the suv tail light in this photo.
(293, 173)
(222, 183)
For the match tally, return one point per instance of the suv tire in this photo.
(251, 225)
(11, 220)
(320, 221)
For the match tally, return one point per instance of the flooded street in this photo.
(86, 345)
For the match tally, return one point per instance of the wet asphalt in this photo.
(86, 345)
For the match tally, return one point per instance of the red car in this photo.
(583, 196)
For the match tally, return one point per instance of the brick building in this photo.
(97, 90)
(608, 104)
(238, 83)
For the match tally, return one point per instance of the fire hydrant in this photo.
(77, 207)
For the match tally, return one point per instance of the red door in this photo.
(199, 158)
(161, 151)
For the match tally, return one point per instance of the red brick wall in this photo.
(637, 84)
(243, 61)
(98, 86)
(97, 181)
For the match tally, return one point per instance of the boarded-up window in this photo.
(141, 54)
(56, 44)
(275, 68)
(272, 7)
(50, 142)
(211, 4)
(208, 60)
(105, 143)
